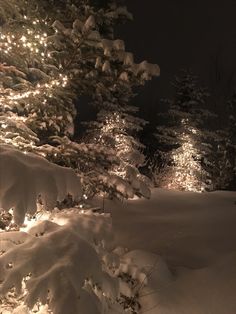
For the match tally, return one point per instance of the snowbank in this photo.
(25, 177)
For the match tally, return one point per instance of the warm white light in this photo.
(186, 172)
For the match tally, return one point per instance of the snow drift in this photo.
(25, 176)
(193, 236)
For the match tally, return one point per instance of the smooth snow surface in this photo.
(195, 234)
(187, 229)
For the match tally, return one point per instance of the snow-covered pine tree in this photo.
(184, 143)
(51, 53)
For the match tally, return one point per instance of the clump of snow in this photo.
(148, 264)
(148, 68)
(25, 176)
(89, 24)
(106, 66)
(109, 45)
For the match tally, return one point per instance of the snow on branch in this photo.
(25, 176)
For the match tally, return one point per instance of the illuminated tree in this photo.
(118, 131)
(184, 142)
(117, 126)
(51, 53)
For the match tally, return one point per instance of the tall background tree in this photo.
(184, 143)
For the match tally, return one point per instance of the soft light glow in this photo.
(186, 172)
(122, 143)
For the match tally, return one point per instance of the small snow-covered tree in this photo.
(184, 142)
(117, 130)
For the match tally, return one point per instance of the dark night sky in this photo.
(176, 34)
(200, 35)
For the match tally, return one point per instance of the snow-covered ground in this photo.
(187, 229)
(196, 236)
(180, 258)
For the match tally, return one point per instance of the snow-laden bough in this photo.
(25, 176)
(59, 264)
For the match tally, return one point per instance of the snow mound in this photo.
(25, 176)
(59, 265)
(151, 265)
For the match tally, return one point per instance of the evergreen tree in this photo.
(51, 53)
(117, 130)
(226, 156)
(117, 127)
(185, 144)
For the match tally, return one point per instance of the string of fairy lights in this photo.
(30, 42)
(33, 39)
(122, 143)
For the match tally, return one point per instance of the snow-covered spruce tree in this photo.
(51, 53)
(64, 261)
(117, 127)
(184, 143)
(226, 149)
(117, 124)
